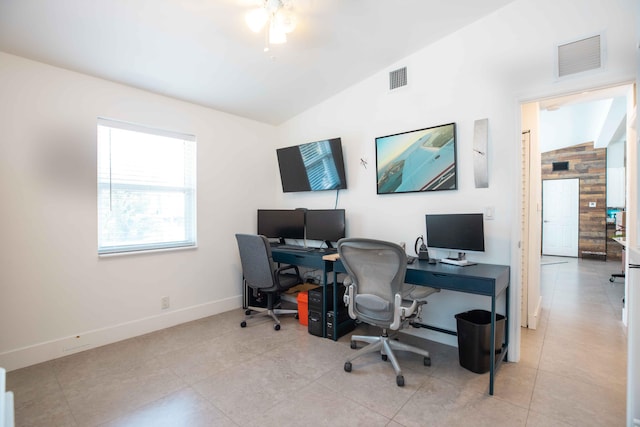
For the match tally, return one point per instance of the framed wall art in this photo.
(416, 161)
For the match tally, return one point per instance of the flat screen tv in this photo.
(314, 166)
(419, 160)
(457, 232)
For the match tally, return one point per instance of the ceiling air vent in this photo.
(579, 56)
(398, 78)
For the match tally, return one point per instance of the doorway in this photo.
(530, 247)
(560, 217)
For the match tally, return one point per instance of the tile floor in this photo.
(213, 373)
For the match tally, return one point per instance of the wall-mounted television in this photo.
(418, 160)
(314, 166)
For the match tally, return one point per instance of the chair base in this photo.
(386, 345)
(252, 313)
(613, 277)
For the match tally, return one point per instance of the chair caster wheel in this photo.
(611, 279)
(243, 324)
(347, 366)
(248, 312)
(276, 327)
(385, 357)
(353, 345)
(426, 361)
(400, 381)
(296, 316)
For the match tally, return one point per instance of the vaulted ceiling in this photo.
(201, 51)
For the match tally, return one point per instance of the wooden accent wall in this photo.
(590, 166)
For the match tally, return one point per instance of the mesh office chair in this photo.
(375, 296)
(262, 277)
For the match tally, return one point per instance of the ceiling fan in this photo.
(276, 18)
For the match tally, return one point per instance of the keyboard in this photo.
(458, 262)
(294, 248)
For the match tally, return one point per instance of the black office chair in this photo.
(377, 296)
(263, 278)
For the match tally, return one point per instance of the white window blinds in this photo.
(146, 188)
(321, 169)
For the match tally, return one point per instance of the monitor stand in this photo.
(461, 260)
(328, 243)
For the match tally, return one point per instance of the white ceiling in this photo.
(597, 116)
(201, 50)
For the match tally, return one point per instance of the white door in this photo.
(560, 214)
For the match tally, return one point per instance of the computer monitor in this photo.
(281, 223)
(458, 232)
(327, 225)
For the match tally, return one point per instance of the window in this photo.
(321, 168)
(146, 188)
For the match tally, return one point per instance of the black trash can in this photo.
(474, 339)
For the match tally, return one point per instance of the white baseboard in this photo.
(535, 316)
(49, 350)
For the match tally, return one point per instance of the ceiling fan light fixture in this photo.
(276, 16)
(256, 19)
(276, 34)
(285, 20)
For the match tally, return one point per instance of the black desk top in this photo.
(489, 271)
(482, 279)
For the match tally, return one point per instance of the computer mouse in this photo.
(432, 260)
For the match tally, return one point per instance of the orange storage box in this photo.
(303, 307)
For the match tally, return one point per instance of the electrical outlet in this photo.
(164, 303)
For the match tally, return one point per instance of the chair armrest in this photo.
(349, 300)
(284, 268)
(401, 312)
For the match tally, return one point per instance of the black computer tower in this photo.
(316, 320)
(315, 298)
(344, 324)
(315, 323)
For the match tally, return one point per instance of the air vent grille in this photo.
(398, 78)
(579, 56)
(560, 166)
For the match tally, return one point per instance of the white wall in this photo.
(53, 286)
(482, 71)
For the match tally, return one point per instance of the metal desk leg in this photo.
(492, 345)
(323, 315)
(506, 326)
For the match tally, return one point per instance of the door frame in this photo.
(531, 206)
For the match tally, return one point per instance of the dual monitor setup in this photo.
(326, 225)
(455, 232)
